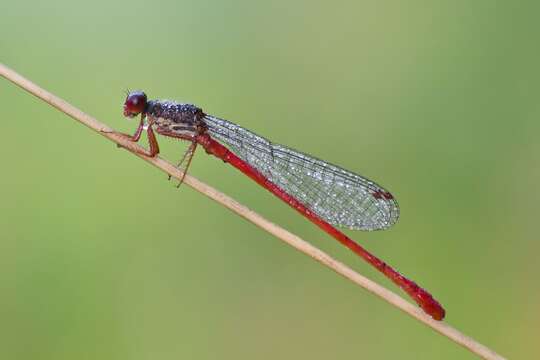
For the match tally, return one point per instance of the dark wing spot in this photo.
(377, 194)
(388, 196)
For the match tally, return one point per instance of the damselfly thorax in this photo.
(171, 118)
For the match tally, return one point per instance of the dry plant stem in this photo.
(253, 217)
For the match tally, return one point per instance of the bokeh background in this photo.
(101, 257)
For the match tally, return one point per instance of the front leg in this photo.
(154, 147)
(135, 137)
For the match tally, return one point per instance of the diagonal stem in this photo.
(241, 210)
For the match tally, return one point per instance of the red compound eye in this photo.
(135, 103)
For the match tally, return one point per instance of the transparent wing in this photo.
(336, 195)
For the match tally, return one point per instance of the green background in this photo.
(102, 258)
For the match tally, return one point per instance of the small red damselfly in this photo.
(325, 194)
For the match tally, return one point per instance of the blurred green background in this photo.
(101, 257)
